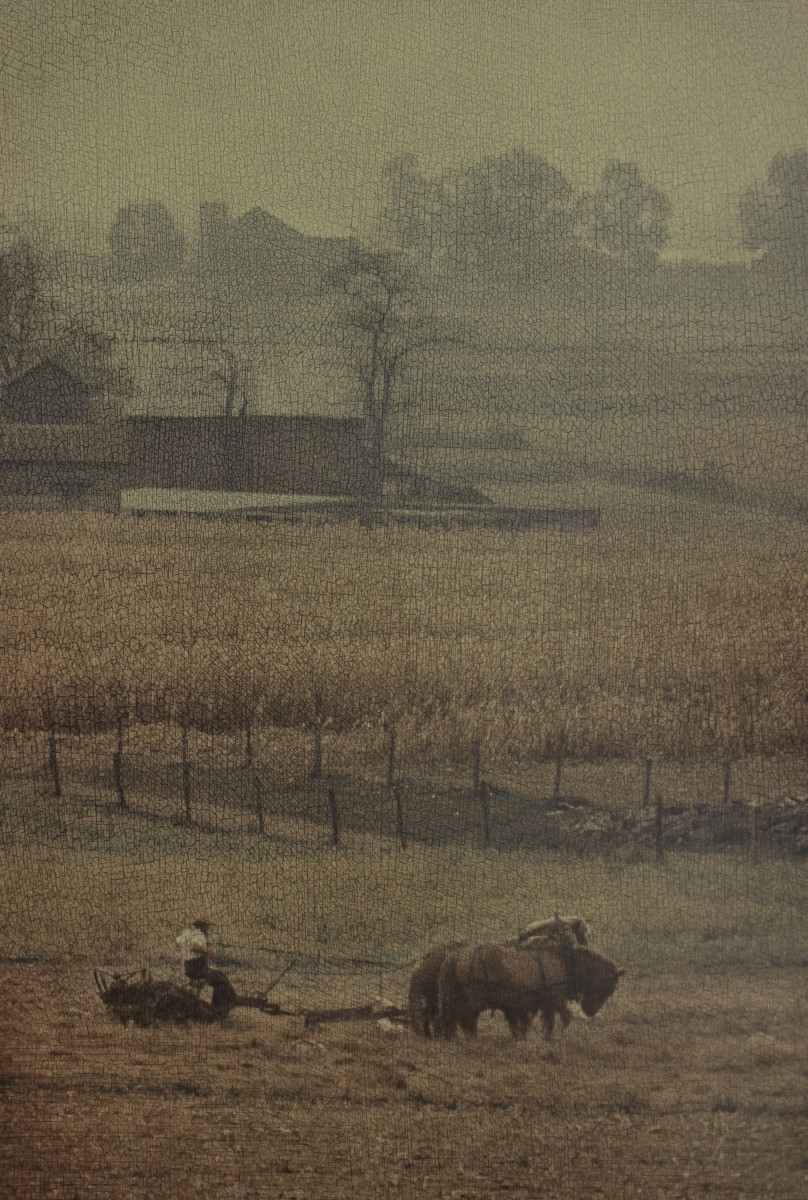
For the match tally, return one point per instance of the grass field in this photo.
(693, 1079)
(113, 887)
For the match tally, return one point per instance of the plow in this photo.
(146, 1001)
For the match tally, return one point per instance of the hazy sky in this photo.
(294, 105)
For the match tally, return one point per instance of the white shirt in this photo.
(192, 942)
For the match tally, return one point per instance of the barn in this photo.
(299, 455)
(61, 466)
(46, 394)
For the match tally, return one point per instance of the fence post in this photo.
(402, 835)
(186, 771)
(248, 744)
(117, 766)
(54, 763)
(755, 836)
(660, 849)
(332, 804)
(258, 796)
(485, 814)
(727, 778)
(646, 787)
(317, 760)
(391, 757)
(559, 766)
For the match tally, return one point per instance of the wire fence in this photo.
(317, 786)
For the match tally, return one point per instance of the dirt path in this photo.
(685, 1085)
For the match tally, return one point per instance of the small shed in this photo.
(46, 395)
(61, 467)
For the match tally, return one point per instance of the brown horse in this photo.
(422, 1004)
(521, 981)
(422, 1001)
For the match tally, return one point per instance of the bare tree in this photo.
(27, 311)
(35, 329)
(386, 311)
(231, 373)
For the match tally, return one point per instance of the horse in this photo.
(521, 981)
(422, 1000)
(422, 1004)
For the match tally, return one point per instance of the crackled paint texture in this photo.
(403, 506)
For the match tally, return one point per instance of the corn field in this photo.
(605, 644)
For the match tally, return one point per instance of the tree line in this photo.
(513, 217)
(510, 211)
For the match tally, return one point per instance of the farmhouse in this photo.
(60, 466)
(46, 395)
(52, 456)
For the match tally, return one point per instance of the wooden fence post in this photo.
(559, 766)
(332, 804)
(186, 771)
(54, 763)
(485, 813)
(727, 778)
(480, 789)
(755, 836)
(248, 744)
(258, 796)
(402, 834)
(660, 849)
(317, 760)
(646, 787)
(391, 757)
(117, 766)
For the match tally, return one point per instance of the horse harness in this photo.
(478, 974)
(570, 962)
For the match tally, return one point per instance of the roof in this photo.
(45, 393)
(91, 442)
(48, 370)
(192, 501)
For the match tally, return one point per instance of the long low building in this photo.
(305, 455)
(62, 466)
(66, 466)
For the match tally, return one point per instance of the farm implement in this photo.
(145, 1001)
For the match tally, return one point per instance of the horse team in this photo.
(548, 965)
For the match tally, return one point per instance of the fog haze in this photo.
(295, 106)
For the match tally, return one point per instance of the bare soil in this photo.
(687, 1084)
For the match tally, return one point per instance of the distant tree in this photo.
(774, 213)
(145, 242)
(90, 354)
(627, 216)
(511, 213)
(26, 309)
(414, 207)
(508, 214)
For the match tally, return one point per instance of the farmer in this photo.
(193, 946)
